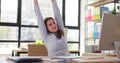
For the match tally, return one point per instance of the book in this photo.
(97, 29)
(88, 16)
(103, 10)
(96, 13)
(24, 59)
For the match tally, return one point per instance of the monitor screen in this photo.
(110, 31)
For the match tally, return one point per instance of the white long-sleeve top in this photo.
(55, 46)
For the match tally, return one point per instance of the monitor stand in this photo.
(117, 48)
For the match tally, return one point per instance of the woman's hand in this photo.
(35, 2)
(53, 0)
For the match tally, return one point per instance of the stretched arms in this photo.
(40, 20)
(57, 14)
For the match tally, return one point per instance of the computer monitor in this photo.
(110, 31)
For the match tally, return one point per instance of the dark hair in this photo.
(59, 32)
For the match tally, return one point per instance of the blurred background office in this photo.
(18, 23)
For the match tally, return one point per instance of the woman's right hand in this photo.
(53, 0)
(35, 2)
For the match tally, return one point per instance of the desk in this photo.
(99, 54)
(17, 52)
(77, 52)
(101, 60)
(104, 60)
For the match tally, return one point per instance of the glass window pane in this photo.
(8, 33)
(25, 44)
(71, 13)
(7, 47)
(73, 46)
(30, 33)
(28, 16)
(9, 11)
(73, 35)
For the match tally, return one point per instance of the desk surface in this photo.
(26, 50)
(78, 60)
(18, 51)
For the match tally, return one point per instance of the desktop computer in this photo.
(110, 33)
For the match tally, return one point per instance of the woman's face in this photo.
(52, 26)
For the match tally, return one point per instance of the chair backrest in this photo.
(37, 50)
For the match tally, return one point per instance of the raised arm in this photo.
(57, 14)
(40, 20)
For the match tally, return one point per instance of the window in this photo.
(71, 13)
(30, 34)
(8, 33)
(6, 48)
(72, 22)
(73, 35)
(9, 11)
(8, 26)
(73, 46)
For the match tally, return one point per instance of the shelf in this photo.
(95, 21)
(88, 38)
(100, 2)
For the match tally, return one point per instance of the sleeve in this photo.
(40, 21)
(57, 14)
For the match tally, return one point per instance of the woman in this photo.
(52, 31)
